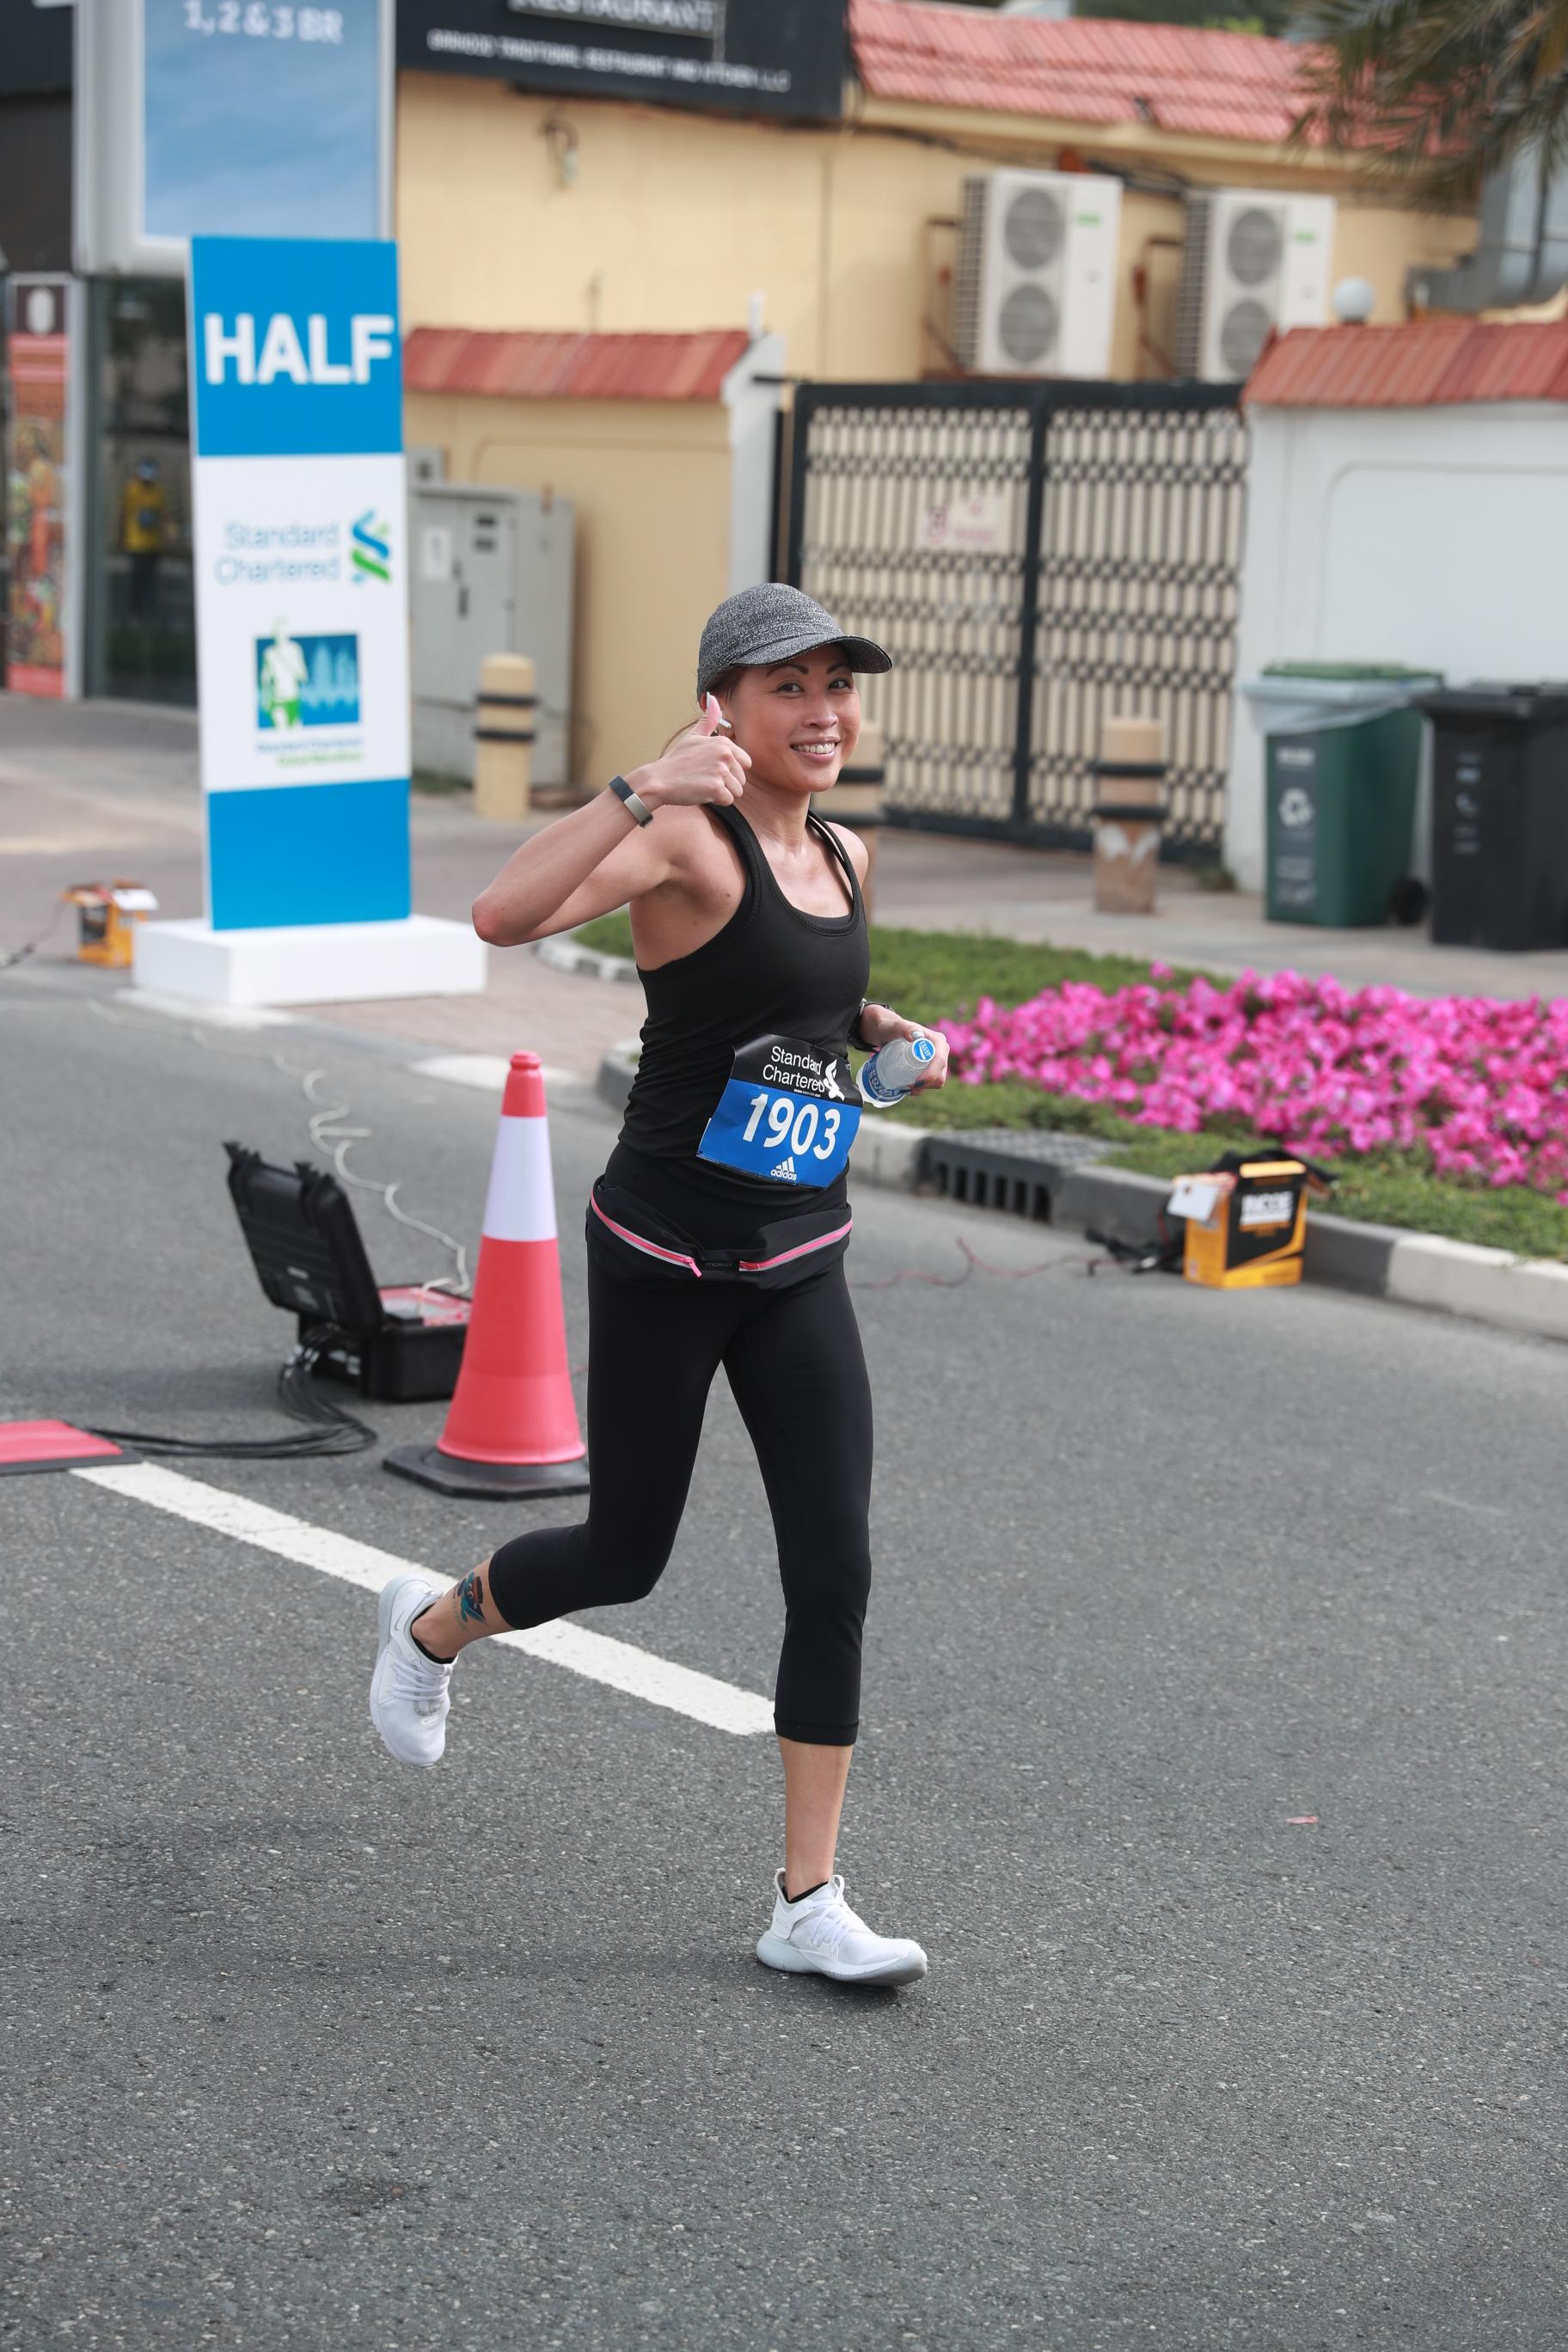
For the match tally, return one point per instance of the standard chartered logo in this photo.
(371, 554)
(275, 554)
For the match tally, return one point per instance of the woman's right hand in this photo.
(704, 766)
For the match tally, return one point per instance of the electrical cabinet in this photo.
(492, 573)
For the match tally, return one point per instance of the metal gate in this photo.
(1036, 557)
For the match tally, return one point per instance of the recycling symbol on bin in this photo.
(1294, 807)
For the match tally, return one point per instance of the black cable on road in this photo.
(328, 1430)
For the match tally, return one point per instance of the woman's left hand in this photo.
(881, 1025)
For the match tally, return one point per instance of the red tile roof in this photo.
(1218, 85)
(1428, 362)
(529, 365)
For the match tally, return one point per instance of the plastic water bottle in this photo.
(893, 1069)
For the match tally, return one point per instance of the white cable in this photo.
(327, 1116)
(324, 1118)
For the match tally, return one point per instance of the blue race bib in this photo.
(790, 1111)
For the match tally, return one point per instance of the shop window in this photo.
(141, 637)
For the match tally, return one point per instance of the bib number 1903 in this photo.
(788, 1113)
(791, 1126)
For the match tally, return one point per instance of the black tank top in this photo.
(771, 969)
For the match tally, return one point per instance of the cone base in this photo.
(428, 1466)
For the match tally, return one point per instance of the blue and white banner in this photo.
(302, 581)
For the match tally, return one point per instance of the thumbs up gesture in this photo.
(703, 766)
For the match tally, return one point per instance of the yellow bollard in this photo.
(504, 737)
(1129, 778)
(856, 800)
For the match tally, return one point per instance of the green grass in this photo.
(1010, 1102)
(931, 975)
(608, 935)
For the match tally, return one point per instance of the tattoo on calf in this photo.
(471, 1599)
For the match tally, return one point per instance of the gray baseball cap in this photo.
(773, 622)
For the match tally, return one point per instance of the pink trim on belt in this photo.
(761, 1265)
(745, 1265)
(648, 1249)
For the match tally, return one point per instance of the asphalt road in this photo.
(303, 2049)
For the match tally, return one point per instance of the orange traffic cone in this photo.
(513, 1428)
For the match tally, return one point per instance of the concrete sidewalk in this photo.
(94, 790)
(99, 791)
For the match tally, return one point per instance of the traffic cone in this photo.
(513, 1428)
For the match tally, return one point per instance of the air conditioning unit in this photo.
(1033, 287)
(1252, 259)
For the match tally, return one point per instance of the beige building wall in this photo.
(672, 221)
(517, 211)
(650, 481)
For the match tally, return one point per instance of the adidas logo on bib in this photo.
(785, 1169)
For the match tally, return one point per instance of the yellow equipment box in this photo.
(1253, 1234)
(109, 912)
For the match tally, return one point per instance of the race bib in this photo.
(789, 1111)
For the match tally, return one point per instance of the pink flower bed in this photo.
(1482, 1086)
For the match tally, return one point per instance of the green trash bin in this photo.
(1343, 756)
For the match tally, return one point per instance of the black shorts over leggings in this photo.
(797, 1371)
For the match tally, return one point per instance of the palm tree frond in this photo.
(1434, 93)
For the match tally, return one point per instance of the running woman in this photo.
(717, 1233)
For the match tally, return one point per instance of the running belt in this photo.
(742, 1266)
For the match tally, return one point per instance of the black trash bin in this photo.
(1500, 815)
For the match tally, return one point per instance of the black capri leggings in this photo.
(797, 1373)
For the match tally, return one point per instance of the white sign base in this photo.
(309, 964)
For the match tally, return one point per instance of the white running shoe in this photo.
(409, 1692)
(821, 1936)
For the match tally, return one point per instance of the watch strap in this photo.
(638, 807)
(857, 1027)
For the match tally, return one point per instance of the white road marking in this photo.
(192, 1008)
(487, 1072)
(598, 1656)
(1461, 1503)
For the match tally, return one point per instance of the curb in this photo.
(1481, 1286)
(1412, 1269)
(1527, 1295)
(562, 953)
